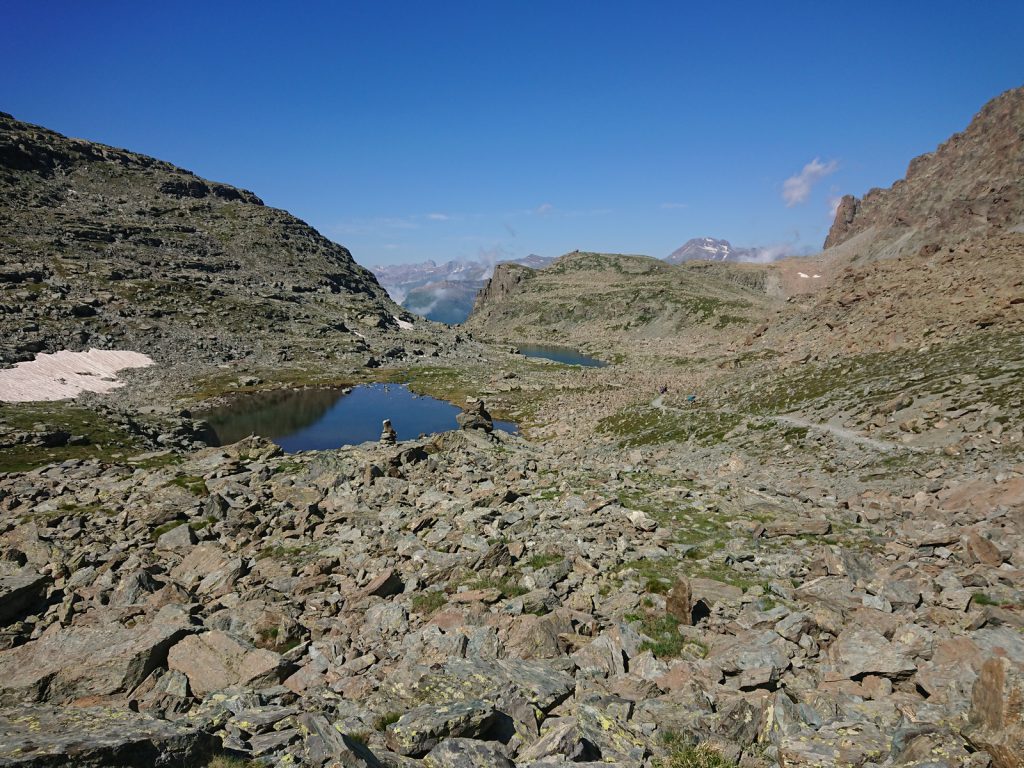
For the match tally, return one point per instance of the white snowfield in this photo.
(405, 325)
(65, 374)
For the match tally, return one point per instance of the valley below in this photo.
(782, 526)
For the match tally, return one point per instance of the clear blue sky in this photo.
(414, 130)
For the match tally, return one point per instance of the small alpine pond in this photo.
(565, 355)
(321, 419)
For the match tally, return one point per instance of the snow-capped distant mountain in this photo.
(712, 249)
(442, 292)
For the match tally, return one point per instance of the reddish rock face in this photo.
(969, 186)
(996, 721)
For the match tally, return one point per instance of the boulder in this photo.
(475, 416)
(421, 729)
(324, 744)
(467, 753)
(384, 584)
(179, 537)
(859, 652)
(21, 593)
(95, 737)
(216, 660)
(76, 662)
(679, 602)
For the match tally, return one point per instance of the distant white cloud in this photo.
(674, 206)
(438, 216)
(833, 205)
(544, 209)
(796, 189)
(491, 256)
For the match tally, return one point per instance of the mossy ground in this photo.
(103, 439)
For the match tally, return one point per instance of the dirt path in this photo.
(846, 435)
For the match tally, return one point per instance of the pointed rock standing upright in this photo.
(475, 416)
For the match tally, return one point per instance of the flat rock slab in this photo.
(421, 729)
(806, 527)
(216, 660)
(83, 662)
(539, 683)
(467, 753)
(98, 737)
(859, 652)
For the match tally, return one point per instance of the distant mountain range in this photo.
(713, 249)
(442, 292)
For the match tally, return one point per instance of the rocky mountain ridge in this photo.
(105, 247)
(711, 249)
(971, 186)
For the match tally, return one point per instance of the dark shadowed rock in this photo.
(20, 593)
(475, 416)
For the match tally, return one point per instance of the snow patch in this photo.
(64, 374)
(405, 325)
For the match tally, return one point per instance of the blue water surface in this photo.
(565, 355)
(321, 419)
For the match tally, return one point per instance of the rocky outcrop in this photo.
(601, 299)
(971, 186)
(846, 214)
(500, 286)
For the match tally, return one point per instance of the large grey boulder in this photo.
(421, 729)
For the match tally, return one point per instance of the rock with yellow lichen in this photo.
(43, 736)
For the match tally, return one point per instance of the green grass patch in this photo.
(665, 642)
(191, 483)
(388, 718)
(166, 527)
(684, 755)
(543, 560)
(429, 602)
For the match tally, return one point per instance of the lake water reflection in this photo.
(321, 419)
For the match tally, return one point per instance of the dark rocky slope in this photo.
(104, 247)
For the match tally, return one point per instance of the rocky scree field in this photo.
(807, 552)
